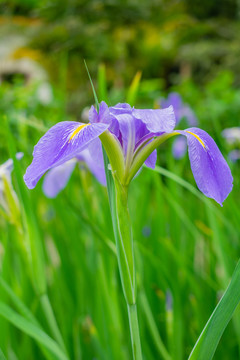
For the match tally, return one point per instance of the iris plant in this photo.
(130, 137)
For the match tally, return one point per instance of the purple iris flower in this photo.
(130, 137)
(181, 111)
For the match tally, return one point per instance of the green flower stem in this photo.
(133, 322)
(118, 198)
(124, 244)
(125, 256)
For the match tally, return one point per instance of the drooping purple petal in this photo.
(61, 143)
(151, 160)
(93, 157)
(156, 121)
(210, 169)
(57, 178)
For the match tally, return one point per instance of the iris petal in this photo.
(159, 120)
(93, 157)
(59, 145)
(210, 169)
(104, 116)
(57, 178)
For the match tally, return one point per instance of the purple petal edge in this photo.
(58, 146)
(210, 170)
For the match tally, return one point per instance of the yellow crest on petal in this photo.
(76, 131)
(198, 138)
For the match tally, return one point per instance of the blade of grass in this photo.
(206, 344)
(93, 89)
(33, 237)
(102, 84)
(133, 89)
(195, 192)
(22, 308)
(32, 330)
(153, 327)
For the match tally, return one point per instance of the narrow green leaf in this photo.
(153, 327)
(102, 83)
(93, 89)
(22, 308)
(194, 191)
(206, 345)
(133, 89)
(30, 222)
(32, 330)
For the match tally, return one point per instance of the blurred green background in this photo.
(59, 279)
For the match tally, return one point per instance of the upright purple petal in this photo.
(61, 143)
(210, 169)
(57, 178)
(93, 115)
(120, 108)
(156, 121)
(104, 116)
(101, 116)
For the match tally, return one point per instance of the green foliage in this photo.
(60, 289)
(186, 246)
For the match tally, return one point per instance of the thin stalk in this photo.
(117, 195)
(48, 311)
(163, 353)
(125, 256)
(134, 329)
